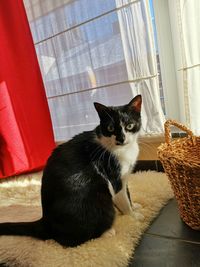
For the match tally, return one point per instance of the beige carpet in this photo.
(19, 200)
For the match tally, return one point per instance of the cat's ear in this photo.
(101, 109)
(136, 103)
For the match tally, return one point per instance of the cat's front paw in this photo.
(138, 216)
(135, 214)
(136, 206)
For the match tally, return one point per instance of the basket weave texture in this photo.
(181, 161)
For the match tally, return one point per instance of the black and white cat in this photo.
(85, 178)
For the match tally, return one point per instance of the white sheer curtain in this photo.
(140, 57)
(94, 50)
(185, 21)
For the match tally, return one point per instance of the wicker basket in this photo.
(181, 162)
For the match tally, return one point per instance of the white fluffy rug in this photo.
(151, 189)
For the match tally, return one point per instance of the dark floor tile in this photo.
(159, 166)
(162, 252)
(144, 165)
(169, 224)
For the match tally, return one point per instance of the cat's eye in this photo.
(110, 128)
(130, 126)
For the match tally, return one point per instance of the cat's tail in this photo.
(34, 229)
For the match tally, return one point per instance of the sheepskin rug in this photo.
(20, 201)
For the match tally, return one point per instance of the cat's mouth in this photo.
(121, 143)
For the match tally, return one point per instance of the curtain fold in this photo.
(140, 57)
(26, 136)
(185, 21)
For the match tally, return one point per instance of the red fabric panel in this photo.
(26, 135)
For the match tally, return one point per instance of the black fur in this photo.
(76, 202)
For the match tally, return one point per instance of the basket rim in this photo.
(164, 149)
(183, 162)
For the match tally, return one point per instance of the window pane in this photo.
(48, 18)
(83, 57)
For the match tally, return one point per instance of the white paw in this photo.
(111, 232)
(138, 216)
(136, 206)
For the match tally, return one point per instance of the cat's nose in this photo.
(120, 139)
(119, 143)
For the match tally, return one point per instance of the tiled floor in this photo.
(168, 242)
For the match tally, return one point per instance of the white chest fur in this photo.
(127, 156)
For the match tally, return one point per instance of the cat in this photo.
(86, 178)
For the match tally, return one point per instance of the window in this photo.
(83, 59)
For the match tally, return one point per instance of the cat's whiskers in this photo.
(95, 153)
(109, 166)
(102, 155)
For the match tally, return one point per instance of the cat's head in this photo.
(120, 125)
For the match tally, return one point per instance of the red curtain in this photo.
(26, 136)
